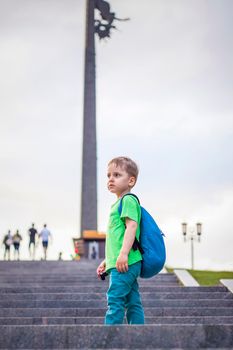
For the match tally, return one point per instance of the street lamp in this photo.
(192, 237)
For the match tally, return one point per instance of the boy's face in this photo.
(119, 181)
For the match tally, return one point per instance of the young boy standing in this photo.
(122, 263)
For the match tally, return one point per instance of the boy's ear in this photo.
(132, 181)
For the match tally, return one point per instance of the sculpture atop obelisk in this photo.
(101, 27)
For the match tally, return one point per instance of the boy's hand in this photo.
(101, 268)
(122, 262)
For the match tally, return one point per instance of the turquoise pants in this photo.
(123, 294)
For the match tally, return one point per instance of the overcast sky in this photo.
(164, 98)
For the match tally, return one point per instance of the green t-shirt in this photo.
(116, 230)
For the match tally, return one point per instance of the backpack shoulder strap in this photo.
(121, 201)
(136, 244)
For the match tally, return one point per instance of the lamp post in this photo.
(192, 237)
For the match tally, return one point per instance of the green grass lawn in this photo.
(208, 278)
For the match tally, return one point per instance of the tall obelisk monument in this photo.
(102, 27)
(89, 158)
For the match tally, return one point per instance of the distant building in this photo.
(91, 245)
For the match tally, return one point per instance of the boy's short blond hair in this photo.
(127, 164)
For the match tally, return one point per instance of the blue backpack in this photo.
(150, 244)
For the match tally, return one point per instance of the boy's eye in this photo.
(116, 174)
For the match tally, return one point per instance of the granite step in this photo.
(90, 272)
(101, 310)
(89, 277)
(75, 281)
(95, 303)
(104, 286)
(100, 320)
(96, 282)
(101, 296)
(91, 286)
(127, 337)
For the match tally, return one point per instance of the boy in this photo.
(121, 261)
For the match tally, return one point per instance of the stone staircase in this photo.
(61, 305)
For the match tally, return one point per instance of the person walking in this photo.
(45, 235)
(32, 241)
(7, 241)
(17, 238)
(94, 253)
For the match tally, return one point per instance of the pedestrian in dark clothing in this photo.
(32, 241)
(94, 253)
(7, 241)
(17, 238)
